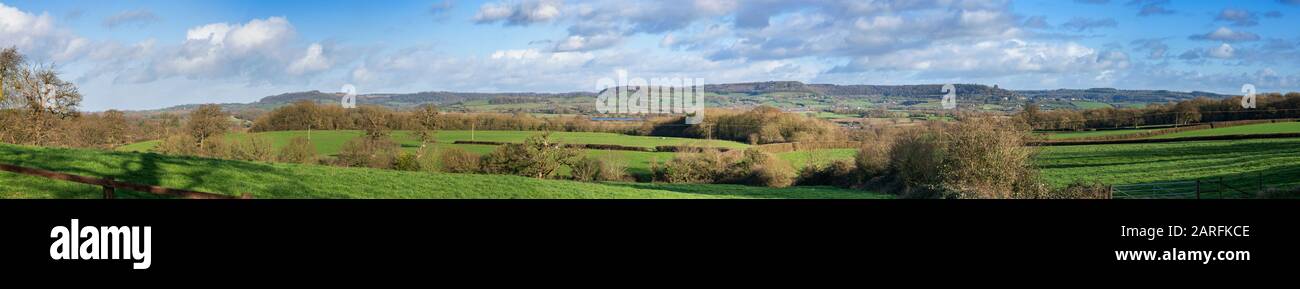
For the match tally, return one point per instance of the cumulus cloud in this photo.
(1224, 34)
(1223, 51)
(1238, 17)
(995, 58)
(519, 13)
(1081, 24)
(259, 50)
(38, 36)
(1151, 7)
(137, 17)
(1155, 48)
(314, 60)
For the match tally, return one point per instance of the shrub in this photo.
(707, 166)
(368, 152)
(762, 169)
(406, 162)
(914, 160)
(537, 157)
(599, 169)
(300, 151)
(752, 167)
(253, 148)
(612, 169)
(177, 144)
(872, 160)
(456, 160)
(586, 169)
(1081, 190)
(840, 173)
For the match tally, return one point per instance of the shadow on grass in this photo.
(743, 191)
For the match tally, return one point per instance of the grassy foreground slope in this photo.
(1278, 159)
(307, 181)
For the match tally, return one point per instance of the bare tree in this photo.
(426, 118)
(41, 98)
(206, 122)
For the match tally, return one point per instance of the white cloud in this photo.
(994, 58)
(1226, 35)
(519, 13)
(313, 60)
(259, 34)
(1224, 51)
(138, 17)
(38, 36)
(258, 51)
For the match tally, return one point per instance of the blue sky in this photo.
(153, 54)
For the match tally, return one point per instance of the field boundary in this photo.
(1167, 140)
(110, 186)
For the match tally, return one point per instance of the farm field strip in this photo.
(264, 180)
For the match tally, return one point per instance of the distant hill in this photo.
(1111, 95)
(786, 94)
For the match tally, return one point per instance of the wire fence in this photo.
(1239, 186)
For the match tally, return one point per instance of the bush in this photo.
(599, 169)
(707, 166)
(753, 167)
(254, 148)
(1081, 190)
(914, 160)
(537, 157)
(872, 160)
(299, 151)
(407, 162)
(456, 160)
(177, 144)
(586, 169)
(758, 168)
(840, 173)
(368, 152)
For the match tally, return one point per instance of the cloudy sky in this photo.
(153, 54)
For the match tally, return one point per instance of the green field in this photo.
(264, 180)
(804, 158)
(1089, 104)
(328, 143)
(1263, 128)
(1097, 133)
(1113, 164)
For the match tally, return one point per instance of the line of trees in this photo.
(37, 107)
(1199, 110)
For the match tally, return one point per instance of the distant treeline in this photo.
(1200, 110)
(304, 115)
(761, 125)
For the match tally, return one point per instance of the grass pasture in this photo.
(1278, 159)
(328, 143)
(1096, 133)
(1262, 128)
(265, 180)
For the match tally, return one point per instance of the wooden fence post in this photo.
(1198, 189)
